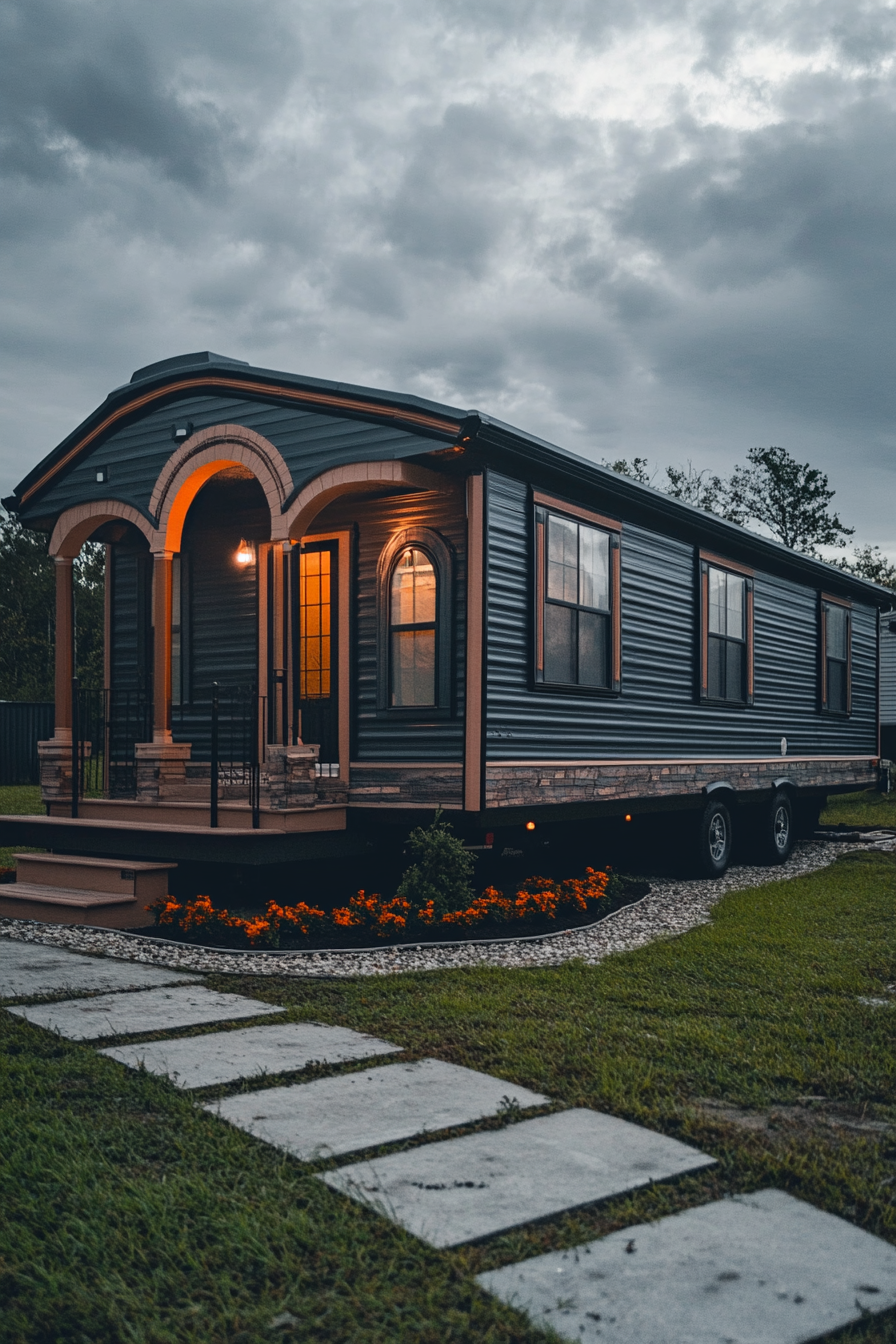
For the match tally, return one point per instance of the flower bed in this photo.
(540, 905)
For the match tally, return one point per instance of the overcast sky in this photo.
(662, 229)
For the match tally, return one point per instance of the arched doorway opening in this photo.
(219, 586)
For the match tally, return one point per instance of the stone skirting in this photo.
(530, 784)
(430, 785)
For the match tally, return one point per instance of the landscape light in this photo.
(245, 553)
(530, 825)
(628, 816)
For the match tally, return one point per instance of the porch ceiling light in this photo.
(245, 553)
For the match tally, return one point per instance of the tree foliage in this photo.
(700, 488)
(789, 499)
(636, 470)
(792, 499)
(869, 562)
(28, 613)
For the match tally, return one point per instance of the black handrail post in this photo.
(76, 744)
(256, 703)
(213, 801)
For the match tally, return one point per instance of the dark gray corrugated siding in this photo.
(377, 736)
(656, 715)
(309, 442)
(131, 645)
(888, 670)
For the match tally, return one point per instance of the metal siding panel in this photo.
(656, 715)
(377, 735)
(887, 670)
(223, 602)
(130, 669)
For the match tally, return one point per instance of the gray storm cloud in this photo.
(659, 229)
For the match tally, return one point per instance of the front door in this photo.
(315, 651)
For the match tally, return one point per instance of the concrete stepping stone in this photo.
(331, 1116)
(756, 1269)
(223, 1057)
(147, 1010)
(481, 1184)
(29, 969)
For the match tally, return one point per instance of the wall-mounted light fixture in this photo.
(245, 553)
(182, 431)
(102, 475)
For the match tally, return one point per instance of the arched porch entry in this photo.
(275, 618)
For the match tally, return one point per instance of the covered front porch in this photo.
(226, 704)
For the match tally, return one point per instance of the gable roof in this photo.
(478, 437)
(169, 378)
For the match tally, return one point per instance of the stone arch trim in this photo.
(198, 459)
(355, 479)
(74, 526)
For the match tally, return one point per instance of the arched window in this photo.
(413, 602)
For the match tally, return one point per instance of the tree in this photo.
(790, 498)
(28, 613)
(636, 470)
(869, 562)
(699, 488)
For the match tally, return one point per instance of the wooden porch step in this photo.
(143, 882)
(72, 905)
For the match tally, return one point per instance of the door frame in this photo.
(343, 538)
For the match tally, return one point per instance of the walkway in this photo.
(765, 1267)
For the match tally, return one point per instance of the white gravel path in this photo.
(671, 908)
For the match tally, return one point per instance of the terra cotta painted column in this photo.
(65, 648)
(161, 621)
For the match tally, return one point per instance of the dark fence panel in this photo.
(22, 725)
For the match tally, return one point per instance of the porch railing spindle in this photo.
(76, 746)
(213, 801)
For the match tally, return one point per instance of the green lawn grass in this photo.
(18, 799)
(860, 809)
(128, 1214)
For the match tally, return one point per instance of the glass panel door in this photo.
(315, 652)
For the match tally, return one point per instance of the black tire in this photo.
(714, 839)
(777, 830)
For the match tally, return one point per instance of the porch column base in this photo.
(55, 756)
(290, 776)
(161, 766)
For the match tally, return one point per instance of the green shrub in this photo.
(441, 871)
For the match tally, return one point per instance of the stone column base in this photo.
(161, 766)
(289, 777)
(55, 756)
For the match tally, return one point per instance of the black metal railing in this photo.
(106, 726)
(227, 727)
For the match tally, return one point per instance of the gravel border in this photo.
(671, 907)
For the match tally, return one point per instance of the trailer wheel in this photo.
(714, 839)
(776, 830)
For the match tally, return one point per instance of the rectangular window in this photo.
(836, 639)
(576, 603)
(314, 616)
(726, 646)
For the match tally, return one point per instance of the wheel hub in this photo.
(718, 838)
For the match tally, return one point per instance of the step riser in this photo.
(145, 886)
(130, 915)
